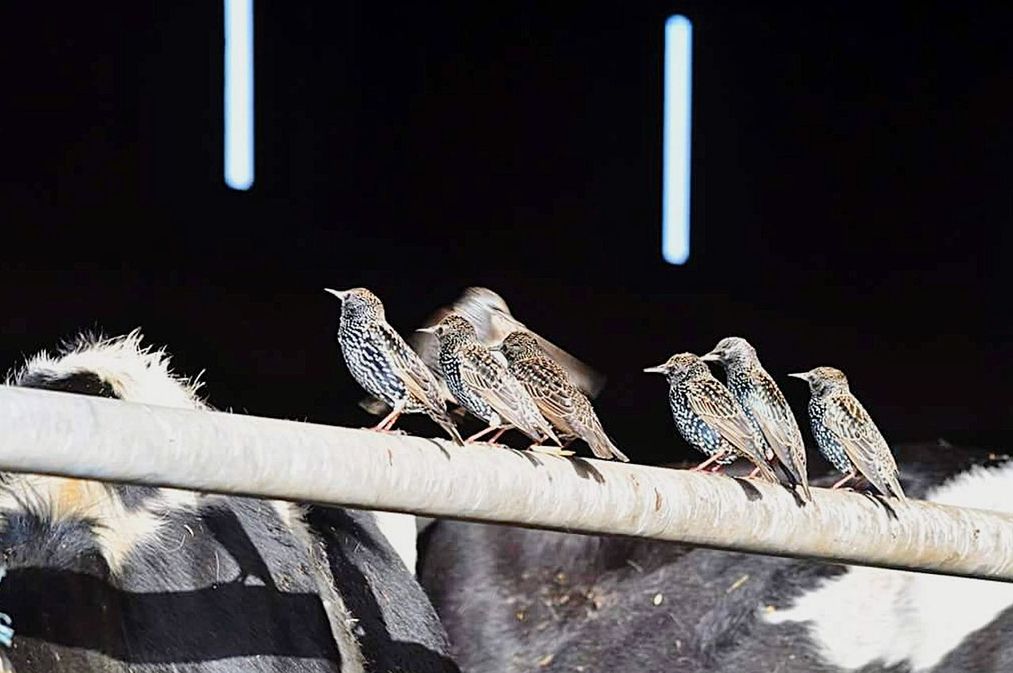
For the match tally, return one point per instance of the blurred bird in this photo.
(483, 384)
(557, 398)
(489, 314)
(707, 415)
(845, 432)
(382, 363)
(774, 424)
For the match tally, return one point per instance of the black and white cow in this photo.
(128, 578)
(525, 600)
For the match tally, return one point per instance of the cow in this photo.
(113, 577)
(525, 600)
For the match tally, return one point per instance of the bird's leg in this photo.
(702, 466)
(483, 433)
(848, 477)
(388, 422)
(499, 433)
(755, 472)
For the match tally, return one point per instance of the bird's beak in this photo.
(340, 294)
(660, 369)
(713, 356)
(427, 330)
(800, 375)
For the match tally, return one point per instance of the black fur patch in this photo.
(82, 383)
(517, 600)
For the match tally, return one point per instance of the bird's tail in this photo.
(893, 487)
(443, 418)
(603, 447)
(807, 493)
(539, 430)
(765, 469)
(796, 475)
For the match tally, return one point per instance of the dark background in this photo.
(851, 193)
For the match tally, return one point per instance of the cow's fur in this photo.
(128, 578)
(524, 600)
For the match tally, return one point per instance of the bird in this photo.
(846, 434)
(559, 400)
(773, 422)
(484, 385)
(492, 319)
(385, 365)
(707, 416)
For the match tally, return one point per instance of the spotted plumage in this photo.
(706, 414)
(846, 434)
(559, 400)
(773, 422)
(382, 363)
(483, 384)
(488, 312)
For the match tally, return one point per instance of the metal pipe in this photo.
(94, 438)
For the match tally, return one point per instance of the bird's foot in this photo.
(386, 431)
(550, 450)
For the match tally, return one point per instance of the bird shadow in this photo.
(585, 470)
(752, 493)
(883, 503)
(527, 455)
(799, 500)
(438, 445)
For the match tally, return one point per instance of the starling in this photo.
(483, 384)
(559, 400)
(491, 317)
(774, 424)
(845, 432)
(383, 363)
(707, 415)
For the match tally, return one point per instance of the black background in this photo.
(851, 193)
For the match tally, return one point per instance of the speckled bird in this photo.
(385, 365)
(707, 416)
(774, 424)
(483, 384)
(846, 434)
(489, 314)
(559, 400)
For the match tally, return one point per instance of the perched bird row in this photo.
(750, 418)
(509, 377)
(525, 389)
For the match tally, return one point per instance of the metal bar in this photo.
(95, 438)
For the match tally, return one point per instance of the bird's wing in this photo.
(774, 416)
(428, 345)
(546, 383)
(712, 402)
(488, 378)
(589, 381)
(417, 378)
(492, 324)
(847, 419)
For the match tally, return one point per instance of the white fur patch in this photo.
(340, 618)
(118, 530)
(402, 533)
(871, 614)
(136, 373)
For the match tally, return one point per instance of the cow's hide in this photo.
(525, 600)
(130, 578)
